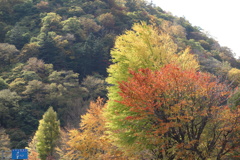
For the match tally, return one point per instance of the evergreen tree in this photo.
(47, 134)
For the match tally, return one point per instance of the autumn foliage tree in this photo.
(173, 114)
(91, 142)
(4, 140)
(32, 149)
(144, 46)
(234, 76)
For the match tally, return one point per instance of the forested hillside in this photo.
(67, 53)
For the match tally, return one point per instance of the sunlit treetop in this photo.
(146, 47)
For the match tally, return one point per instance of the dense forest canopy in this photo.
(67, 53)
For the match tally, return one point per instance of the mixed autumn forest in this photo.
(114, 79)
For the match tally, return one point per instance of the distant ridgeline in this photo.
(56, 53)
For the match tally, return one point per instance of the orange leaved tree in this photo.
(176, 114)
(91, 142)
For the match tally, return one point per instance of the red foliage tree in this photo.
(175, 113)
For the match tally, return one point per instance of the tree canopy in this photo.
(175, 113)
(67, 53)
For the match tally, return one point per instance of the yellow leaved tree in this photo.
(145, 46)
(234, 76)
(90, 141)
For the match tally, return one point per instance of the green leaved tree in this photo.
(47, 134)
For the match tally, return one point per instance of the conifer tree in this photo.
(47, 134)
